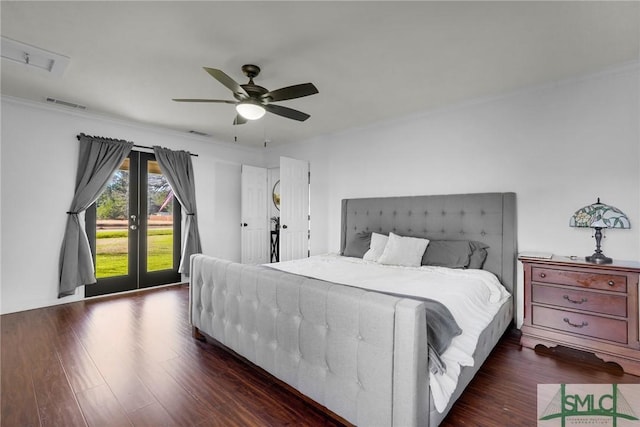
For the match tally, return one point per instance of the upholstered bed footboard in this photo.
(362, 355)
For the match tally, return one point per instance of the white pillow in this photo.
(376, 247)
(406, 251)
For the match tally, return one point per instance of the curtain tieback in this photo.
(190, 214)
(73, 213)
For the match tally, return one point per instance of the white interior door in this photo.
(254, 221)
(294, 209)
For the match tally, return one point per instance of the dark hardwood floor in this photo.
(131, 360)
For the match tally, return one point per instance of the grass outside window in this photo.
(112, 251)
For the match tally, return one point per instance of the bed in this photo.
(361, 354)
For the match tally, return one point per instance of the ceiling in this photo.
(371, 61)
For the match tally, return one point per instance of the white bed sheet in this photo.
(472, 296)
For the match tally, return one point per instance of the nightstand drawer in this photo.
(580, 300)
(580, 324)
(609, 282)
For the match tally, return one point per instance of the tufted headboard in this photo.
(484, 217)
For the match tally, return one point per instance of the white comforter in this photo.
(472, 296)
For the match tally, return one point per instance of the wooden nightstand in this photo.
(584, 306)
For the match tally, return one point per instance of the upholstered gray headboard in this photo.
(485, 217)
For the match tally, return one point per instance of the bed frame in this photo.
(360, 354)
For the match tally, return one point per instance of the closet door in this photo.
(294, 209)
(255, 218)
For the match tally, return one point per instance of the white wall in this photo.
(559, 147)
(39, 160)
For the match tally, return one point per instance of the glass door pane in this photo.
(159, 220)
(112, 226)
(159, 251)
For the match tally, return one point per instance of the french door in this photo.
(254, 222)
(293, 206)
(134, 229)
(294, 209)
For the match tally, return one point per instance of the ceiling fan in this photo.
(252, 101)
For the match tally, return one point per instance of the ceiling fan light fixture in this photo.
(250, 110)
(253, 101)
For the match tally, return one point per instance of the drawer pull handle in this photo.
(582, 325)
(611, 283)
(582, 300)
(543, 275)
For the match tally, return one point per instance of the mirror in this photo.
(275, 195)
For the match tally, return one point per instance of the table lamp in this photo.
(599, 216)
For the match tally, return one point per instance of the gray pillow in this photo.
(447, 253)
(358, 245)
(478, 254)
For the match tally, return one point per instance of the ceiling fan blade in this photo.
(239, 120)
(227, 81)
(289, 113)
(220, 101)
(290, 92)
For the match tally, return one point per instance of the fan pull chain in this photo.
(264, 134)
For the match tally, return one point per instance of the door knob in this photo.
(244, 224)
(133, 225)
(284, 226)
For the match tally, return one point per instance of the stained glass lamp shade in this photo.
(599, 216)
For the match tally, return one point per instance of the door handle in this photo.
(133, 227)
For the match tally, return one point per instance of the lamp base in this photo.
(598, 258)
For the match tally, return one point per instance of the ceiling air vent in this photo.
(196, 132)
(32, 56)
(66, 104)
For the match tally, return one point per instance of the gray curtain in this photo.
(176, 166)
(98, 160)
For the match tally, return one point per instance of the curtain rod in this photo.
(135, 145)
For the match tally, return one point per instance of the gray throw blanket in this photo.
(441, 329)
